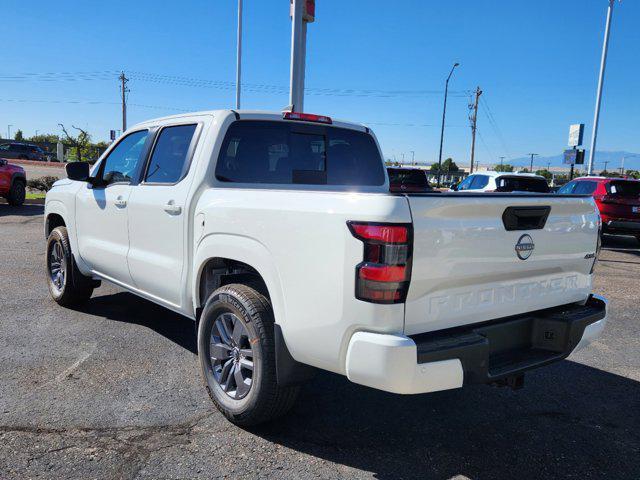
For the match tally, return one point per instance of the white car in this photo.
(278, 236)
(503, 182)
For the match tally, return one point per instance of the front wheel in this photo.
(237, 356)
(67, 285)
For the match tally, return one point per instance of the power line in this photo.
(218, 84)
(494, 125)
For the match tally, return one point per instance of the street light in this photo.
(444, 113)
(239, 55)
(603, 64)
(9, 132)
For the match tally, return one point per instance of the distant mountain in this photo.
(614, 159)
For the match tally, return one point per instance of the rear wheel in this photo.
(67, 285)
(17, 194)
(237, 356)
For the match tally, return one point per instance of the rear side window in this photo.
(169, 160)
(624, 188)
(585, 187)
(479, 181)
(289, 153)
(521, 184)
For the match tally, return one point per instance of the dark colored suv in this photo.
(408, 180)
(22, 151)
(618, 200)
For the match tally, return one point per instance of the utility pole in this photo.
(606, 162)
(413, 156)
(302, 12)
(623, 159)
(501, 161)
(603, 64)
(124, 90)
(9, 132)
(444, 113)
(239, 55)
(474, 125)
(532, 155)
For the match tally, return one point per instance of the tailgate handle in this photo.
(525, 218)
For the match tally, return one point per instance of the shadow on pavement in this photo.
(570, 420)
(126, 307)
(7, 210)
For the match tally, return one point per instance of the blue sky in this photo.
(537, 63)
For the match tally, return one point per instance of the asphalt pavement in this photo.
(113, 390)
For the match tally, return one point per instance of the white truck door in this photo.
(158, 218)
(101, 210)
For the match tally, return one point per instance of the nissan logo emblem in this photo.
(524, 247)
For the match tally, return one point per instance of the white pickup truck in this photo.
(278, 236)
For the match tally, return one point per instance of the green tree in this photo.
(545, 173)
(45, 138)
(524, 170)
(448, 165)
(633, 173)
(503, 168)
(19, 136)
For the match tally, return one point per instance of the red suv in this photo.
(13, 183)
(618, 200)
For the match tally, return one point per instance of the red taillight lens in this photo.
(307, 117)
(384, 274)
(380, 233)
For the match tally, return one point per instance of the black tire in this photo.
(17, 193)
(73, 288)
(265, 399)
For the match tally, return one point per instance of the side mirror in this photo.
(78, 171)
(3, 162)
(454, 187)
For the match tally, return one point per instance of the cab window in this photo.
(124, 160)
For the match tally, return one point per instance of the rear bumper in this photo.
(481, 353)
(622, 227)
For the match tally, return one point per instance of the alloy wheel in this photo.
(231, 355)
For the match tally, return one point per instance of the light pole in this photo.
(603, 64)
(239, 55)
(413, 156)
(532, 155)
(444, 113)
(9, 132)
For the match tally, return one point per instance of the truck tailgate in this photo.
(469, 265)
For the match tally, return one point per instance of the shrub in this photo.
(42, 184)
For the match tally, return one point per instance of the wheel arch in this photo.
(234, 259)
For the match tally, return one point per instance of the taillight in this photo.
(598, 246)
(607, 199)
(307, 117)
(384, 274)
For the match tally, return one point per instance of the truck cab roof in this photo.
(246, 115)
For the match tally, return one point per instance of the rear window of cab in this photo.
(285, 153)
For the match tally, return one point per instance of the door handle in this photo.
(120, 202)
(173, 209)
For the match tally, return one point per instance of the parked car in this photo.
(408, 180)
(618, 201)
(503, 182)
(278, 236)
(22, 151)
(13, 183)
